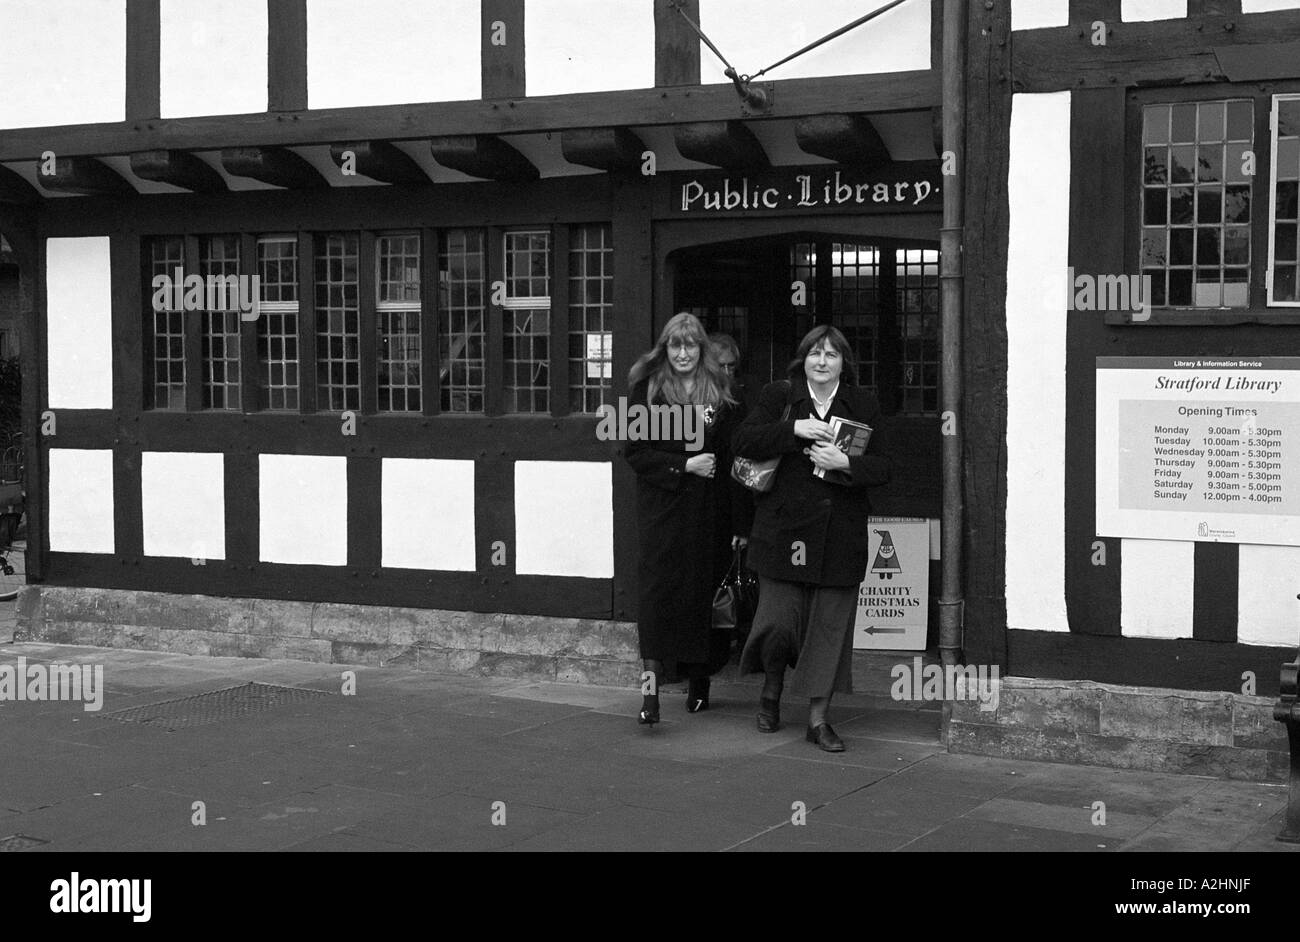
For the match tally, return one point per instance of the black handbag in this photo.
(736, 600)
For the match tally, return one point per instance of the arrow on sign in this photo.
(873, 630)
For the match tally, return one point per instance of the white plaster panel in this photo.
(389, 52)
(79, 323)
(62, 62)
(1037, 258)
(214, 57)
(81, 500)
(303, 502)
(588, 46)
(183, 504)
(1039, 14)
(428, 514)
(754, 36)
(564, 518)
(1266, 6)
(1135, 11)
(1268, 581)
(1156, 580)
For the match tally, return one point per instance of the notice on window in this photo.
(1199, 449)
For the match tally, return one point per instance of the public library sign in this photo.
(900, 187)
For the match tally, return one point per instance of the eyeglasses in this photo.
(729, 367)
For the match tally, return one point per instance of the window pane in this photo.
(591, 317)
(461, 325)
(337, 336)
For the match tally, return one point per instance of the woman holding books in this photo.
(809, 539)
(684, 498)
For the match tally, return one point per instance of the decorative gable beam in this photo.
(178, 168)
(378, 160)
(483, 155)
(726, 144)
(843, 138)
(609, 149)
(274, 165)
(85, 176)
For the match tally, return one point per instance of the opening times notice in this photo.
(1199, 449)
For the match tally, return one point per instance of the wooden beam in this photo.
(677, 48)
(482, 155)
(86, 176)
(610, 149)
(379, 160)
(286, 41)
(14, 189)
(178, 168)
(727, 144)
(796, 98)
(502, 49)
(273, 165)
(143, 59)
(843, 138)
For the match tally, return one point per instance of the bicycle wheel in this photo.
(13, 570)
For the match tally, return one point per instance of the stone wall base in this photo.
(1224, 735)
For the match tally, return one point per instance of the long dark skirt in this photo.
(807, 627)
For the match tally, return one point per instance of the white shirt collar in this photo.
(829, 399)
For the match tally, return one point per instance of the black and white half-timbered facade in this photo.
(450, 228)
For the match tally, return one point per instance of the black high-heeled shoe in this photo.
(697, 695)
(649, 714)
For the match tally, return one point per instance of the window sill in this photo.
(1208, 317)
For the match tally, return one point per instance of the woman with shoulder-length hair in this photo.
(683, 499)
(809, 539)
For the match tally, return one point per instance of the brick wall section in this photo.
(567, 650)
(1224, 735)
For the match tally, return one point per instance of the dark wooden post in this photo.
(286, 62)
(502, 45)
(677, 48)
(143, 59)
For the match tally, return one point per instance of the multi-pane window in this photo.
(526, 330)
(855, 306)
(277, 325)
(397, 285)
(591, 317)
(1284, 264)
(167, 257)
(1198, 162)
(338, 328)
(461, 337)
(917, 292)
(219, 268)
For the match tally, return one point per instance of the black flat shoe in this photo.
(649, 714)
(697, 696)
(769, 715)
(825, 738)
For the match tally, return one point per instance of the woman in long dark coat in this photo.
(684, 494)
(809, 539)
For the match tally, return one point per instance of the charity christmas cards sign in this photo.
(894, 599)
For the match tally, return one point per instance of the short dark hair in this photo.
(833, 337)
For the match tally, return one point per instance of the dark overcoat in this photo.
(684, 530)
(829, 519)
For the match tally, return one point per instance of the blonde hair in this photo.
(712, 385)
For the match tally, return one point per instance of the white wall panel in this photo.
(1268, 581)
(1156, 578)
(564, 519)
(79, 325)
(1037, 258)
(62, 62)
(303, 501)
(183, 504)
(755, 35)
(81, 500)
(1039, 14)
(389, 52)
(214, 57)
(1132, 11)
(588, 46)
(428, 514)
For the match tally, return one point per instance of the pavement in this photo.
(419, 761)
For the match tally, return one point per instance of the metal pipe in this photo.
(952, 284)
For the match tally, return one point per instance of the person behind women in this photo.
(683, 517)
(809, 539)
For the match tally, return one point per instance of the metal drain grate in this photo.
(215, 707)
(17, 842)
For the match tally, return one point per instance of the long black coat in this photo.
(830, 519)
(684, 529)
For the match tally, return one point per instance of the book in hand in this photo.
(849, 437)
